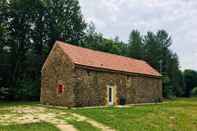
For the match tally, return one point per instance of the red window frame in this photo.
(60, 88)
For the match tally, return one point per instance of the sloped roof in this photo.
(102, 60)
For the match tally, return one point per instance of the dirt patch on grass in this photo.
(94, 123)
(34, 114)
(39, 113)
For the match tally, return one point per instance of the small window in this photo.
(88, 72)
(127, 77)
(60, 88)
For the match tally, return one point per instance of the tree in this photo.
(158, 54)
(17, 20)
(190, 79)
(164, 39)
(167, 87)
(152, 50)
(157, 50)
(3, 5)
(175, 75)
(92, 39)
(194, 92)
(31, 28)
(164, 42)
(135, 45)
(122, 47)
(64, 21)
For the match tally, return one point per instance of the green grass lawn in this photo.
(17, 103)
(177, 115)
(83, 125)
(29, 127)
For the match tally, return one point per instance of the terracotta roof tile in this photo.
(97, 59)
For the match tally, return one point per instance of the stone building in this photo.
(76, 76)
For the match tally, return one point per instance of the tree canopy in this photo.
(30, 28)
(136, 47)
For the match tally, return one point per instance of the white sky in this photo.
(119, 17)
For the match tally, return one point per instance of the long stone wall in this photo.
(91, 88)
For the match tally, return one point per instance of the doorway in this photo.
(110, 95)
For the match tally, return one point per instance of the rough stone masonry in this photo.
(75, 76)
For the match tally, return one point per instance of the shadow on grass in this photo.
(29, 127)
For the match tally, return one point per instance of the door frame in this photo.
(111, 95)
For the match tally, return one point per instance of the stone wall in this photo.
(91, 87)
(84, 87)
(57, 69)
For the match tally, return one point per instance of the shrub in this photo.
(194, 91)
(27, 90)
(167, 88)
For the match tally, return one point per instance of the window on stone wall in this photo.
(88, 72)
(60, 88)
(127, 77)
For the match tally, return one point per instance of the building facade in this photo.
(75, 76)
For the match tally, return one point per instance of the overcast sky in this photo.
(119, 17)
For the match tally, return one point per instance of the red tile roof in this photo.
(101, 60)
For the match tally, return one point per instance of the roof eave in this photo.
(115, 71)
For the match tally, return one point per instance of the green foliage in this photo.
(64, 21)
(27, 90)
(135, 48)
(30, 127)
(30, 28)
(158, 54)
(156, 46)
(190, 78)
(167, 88)
(96, 41)
(194, 91)
(152, 50)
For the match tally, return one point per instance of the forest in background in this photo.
(29, 28)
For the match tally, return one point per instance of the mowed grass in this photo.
(83, 125)
(29, 127)
(6, 108)
(17, 103)
(177, 115)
